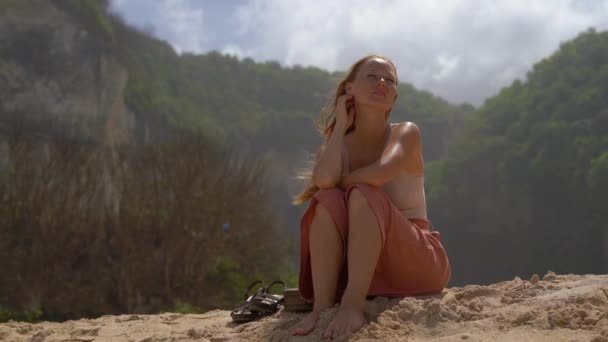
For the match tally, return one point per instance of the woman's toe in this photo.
(343, 330)
(329, 332)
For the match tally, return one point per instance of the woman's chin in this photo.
(379, 105)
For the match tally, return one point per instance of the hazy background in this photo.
(148, 150)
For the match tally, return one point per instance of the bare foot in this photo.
(347, 321)
(306, 325)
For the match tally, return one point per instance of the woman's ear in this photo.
(348, 87)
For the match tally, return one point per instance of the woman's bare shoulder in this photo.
(407, 136)
(405, 130)
(404, 124)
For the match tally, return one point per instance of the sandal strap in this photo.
(251, 286)
(279, 282)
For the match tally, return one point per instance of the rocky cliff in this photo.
(54, 78)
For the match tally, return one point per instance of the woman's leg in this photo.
(326, 259)
(364, 247)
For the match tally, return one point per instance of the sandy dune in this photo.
(554, 308)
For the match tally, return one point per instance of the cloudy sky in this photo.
(462, 50)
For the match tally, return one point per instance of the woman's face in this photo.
(374, 85)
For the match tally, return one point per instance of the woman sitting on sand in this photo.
(366, 230)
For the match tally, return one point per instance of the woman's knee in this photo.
(330, 195)
(357, 201)
(329, 202)
(323, 227)
(322, 216)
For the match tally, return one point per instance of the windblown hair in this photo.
(327, 121)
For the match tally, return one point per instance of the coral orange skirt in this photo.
(412, 260)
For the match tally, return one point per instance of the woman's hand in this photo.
(345, 112)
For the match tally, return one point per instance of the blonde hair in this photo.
(327, 121)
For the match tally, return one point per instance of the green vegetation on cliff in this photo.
(231, 100)
(524, 189)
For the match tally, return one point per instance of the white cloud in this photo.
(234, 50)
(447, 65)
(461, 50)
(185, 23)
(176, 21)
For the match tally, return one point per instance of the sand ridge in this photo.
(551, 308)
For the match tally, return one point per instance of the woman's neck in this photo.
(370, 129)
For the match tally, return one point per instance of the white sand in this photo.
(554, 308)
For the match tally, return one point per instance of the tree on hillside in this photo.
(520, 191)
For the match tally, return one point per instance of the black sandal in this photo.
(242, 313)
(265, 303)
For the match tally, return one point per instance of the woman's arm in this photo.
(403, 152)
(328, 168)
